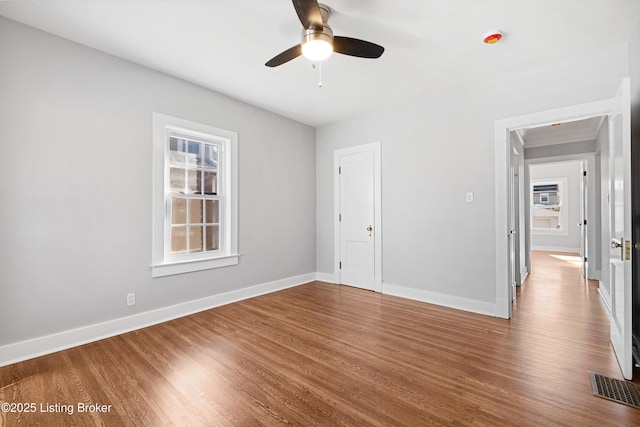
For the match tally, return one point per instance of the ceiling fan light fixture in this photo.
(317, 50)
(317, 45)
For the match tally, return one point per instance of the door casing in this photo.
(514, 219)
(584, 218)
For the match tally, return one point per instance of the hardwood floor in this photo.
(322, 354)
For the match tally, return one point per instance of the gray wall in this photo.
(435, 148)
(75, 187)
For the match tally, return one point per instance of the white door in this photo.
(620, 227)
(356, 212)
(583, 220)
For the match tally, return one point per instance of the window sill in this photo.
(171, 268)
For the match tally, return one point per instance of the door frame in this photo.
(502, 156)
(589, 160)
(377, 210)
(514, 218)
(585, 217)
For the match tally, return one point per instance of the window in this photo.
(194, 196)
(548, 207)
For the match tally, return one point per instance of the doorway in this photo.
(563, 206)
(503, 151)
(618, 199)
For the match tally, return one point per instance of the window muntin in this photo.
(193, 196)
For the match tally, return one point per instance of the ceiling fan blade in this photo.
(286, 56)
(356, 47)
(309, 13)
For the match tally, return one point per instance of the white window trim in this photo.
(564, 218)
(228, 253)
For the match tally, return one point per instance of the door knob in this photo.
(369, 229)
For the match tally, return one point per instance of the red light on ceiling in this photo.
(492, 38)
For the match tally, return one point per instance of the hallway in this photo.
(564, 315)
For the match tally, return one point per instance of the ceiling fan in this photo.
(318, 41)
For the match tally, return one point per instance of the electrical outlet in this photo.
(131, 299)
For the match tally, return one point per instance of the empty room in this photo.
(297, 213)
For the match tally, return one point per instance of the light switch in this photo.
(470, 197)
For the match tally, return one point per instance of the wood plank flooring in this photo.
(322, 354)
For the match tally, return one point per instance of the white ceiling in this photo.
(561, 133)
(223, 44)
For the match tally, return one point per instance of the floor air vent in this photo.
(617, 390)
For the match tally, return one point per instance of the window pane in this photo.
(195, 239)
(178, 210)
(176, 180)
(210, 156)
(195, 185)
(212, 238)
(178, 240)
(177, 149)
(195, 212)
(546, 211)
(210, 183)
(195, 158)
(212, 211)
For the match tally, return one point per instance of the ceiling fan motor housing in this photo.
(325, 12)
(311, 34)
(314, 33)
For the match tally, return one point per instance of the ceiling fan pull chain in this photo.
(320, 74)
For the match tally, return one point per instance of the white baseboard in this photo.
(502, 308)
(605, 298)
(524, 272)
(17, 352)
(555, 249)
(377, 284)
(325, 277)
(450, 301)
(335, 278)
